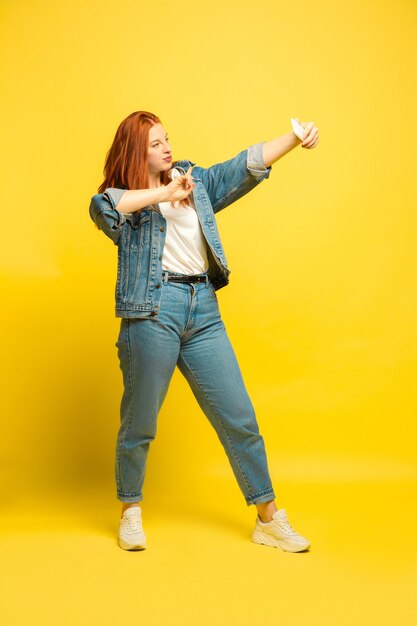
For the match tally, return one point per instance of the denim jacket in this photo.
(140, 236)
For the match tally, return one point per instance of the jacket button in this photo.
(157, 286)
(161, 228)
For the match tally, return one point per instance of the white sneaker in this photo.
(131, 533)
(279, 533)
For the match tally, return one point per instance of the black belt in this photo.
(188, 278)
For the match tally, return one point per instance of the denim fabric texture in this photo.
(190, 333)
(140, 236)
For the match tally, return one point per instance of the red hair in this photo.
(126, 165)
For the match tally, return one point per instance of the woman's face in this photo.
(159, 150)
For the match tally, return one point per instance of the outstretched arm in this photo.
(276, 148)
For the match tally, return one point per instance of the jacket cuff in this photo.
(255, 162)
(113, 195)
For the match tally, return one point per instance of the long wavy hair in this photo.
(126, 164)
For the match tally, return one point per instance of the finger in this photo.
(189, 172)
(188, 178)
(183, 180)
(308, 144)
(311, 142)
(307, 129)
(312, 134)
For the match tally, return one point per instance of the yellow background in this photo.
(320, 308)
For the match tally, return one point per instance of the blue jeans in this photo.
(190, 333)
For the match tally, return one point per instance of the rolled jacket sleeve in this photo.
(113, 194)
(255, 162)
(104, 214)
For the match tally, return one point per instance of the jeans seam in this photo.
(230, 193)
(262, 493)
(130, 380)
(221, 424)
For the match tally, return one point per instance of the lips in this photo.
(168, 159)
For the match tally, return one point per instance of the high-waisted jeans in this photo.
(190, 333)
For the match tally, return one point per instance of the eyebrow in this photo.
(158, 139)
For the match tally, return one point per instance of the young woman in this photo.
(171, 262)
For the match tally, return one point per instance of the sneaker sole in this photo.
(268, 540)
(129, 546)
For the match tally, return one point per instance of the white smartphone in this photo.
(297, 128)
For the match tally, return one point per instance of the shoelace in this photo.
(132, 524)
(286, 527)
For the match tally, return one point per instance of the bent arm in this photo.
(129, 200)
(276, 148)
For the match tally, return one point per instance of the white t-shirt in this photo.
(185, 249)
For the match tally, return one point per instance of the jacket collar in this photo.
(182, 167)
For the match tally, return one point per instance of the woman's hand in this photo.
(311, 134)
(180, 187)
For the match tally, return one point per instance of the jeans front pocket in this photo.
(213, 292)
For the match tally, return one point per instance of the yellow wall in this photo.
(321, 305)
